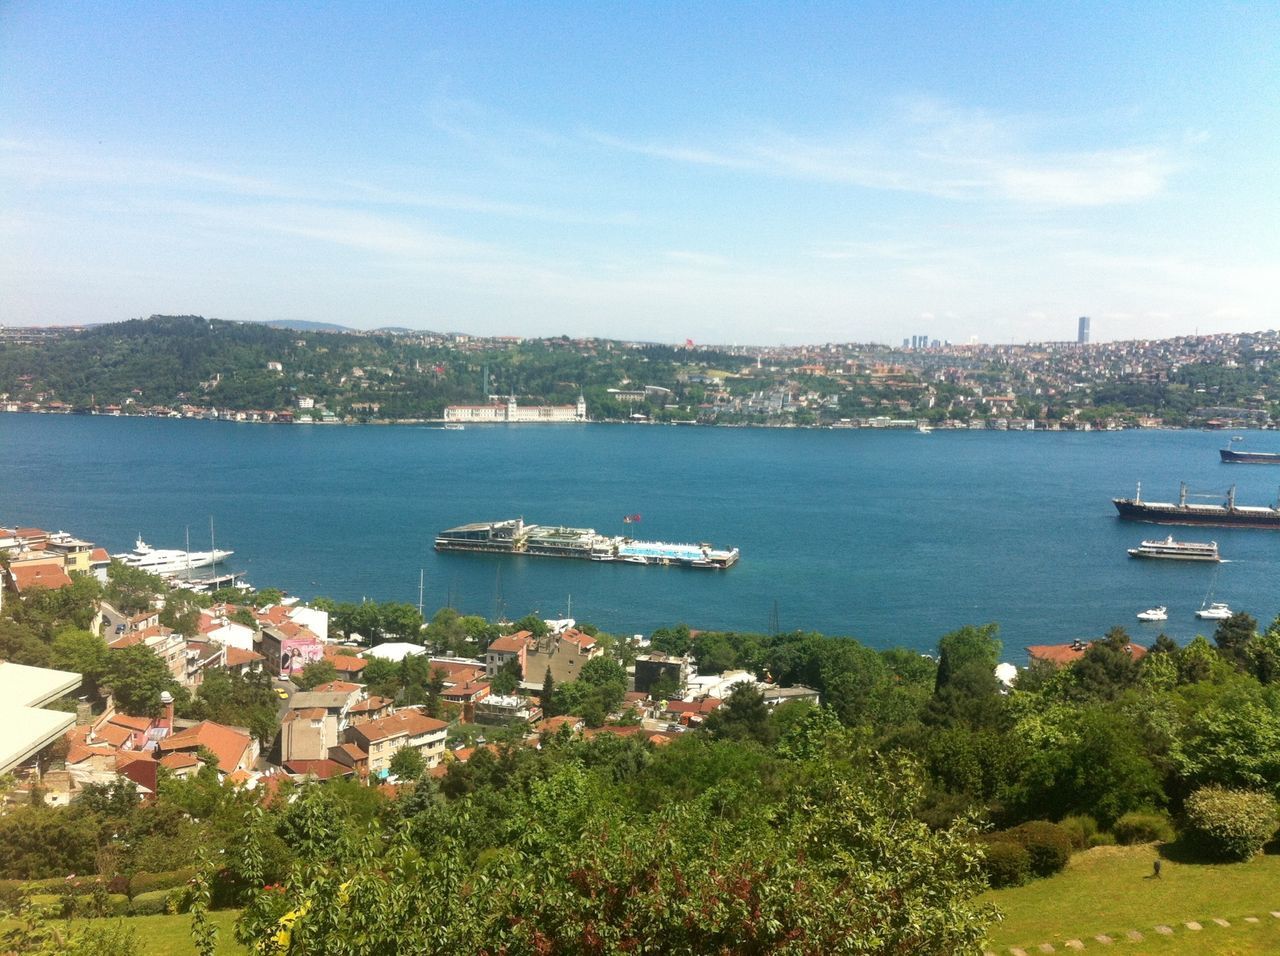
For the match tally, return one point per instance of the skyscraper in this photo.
(1082, 332)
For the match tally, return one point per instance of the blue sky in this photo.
(731, 172)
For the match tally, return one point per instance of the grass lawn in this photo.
(1110, 890)
(165, 935)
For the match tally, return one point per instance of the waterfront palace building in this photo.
(511, 412)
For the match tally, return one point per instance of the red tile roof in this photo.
(238, 657)
(179, 761)
(410, 722)
(704, 706)
(227, 745)
(50, 577)
(511, 643)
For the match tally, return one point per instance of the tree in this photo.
(182, 613)
(743, 716)
(381, 677)
(508, 678)
(407, 764)
(84, 653)
(607, 676)
(968, 649)
(533, 624)
(1234, 637)
(316, 673)
(130, 590)
(548, 695)
(400, 620)
(137, 678)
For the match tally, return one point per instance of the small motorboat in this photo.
(1214, 612)
(1160, 613)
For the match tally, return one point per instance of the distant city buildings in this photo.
(1082, 331)
(512, 412)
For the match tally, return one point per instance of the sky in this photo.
(732, 172)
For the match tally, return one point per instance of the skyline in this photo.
(768, 175)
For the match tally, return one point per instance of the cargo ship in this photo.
(1249, 457)
(1227, 515)
(513, 536)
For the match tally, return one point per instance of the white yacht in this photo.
(169, 561)
(1160, 613)
(1214, 612)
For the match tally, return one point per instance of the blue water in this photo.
(891, 537)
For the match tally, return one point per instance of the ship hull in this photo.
(1204, 517)
(1248, 457)
(1138, 553)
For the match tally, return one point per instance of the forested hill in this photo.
(174, 360)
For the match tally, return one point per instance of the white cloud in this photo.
(930, 149)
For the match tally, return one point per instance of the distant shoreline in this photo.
(841, 426)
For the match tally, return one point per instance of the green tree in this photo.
(743, 716)
(84, 653)
(548, 695)
(610, 680)
(507, 680)
(316, 673)
(533, 624)
(407, 764)
(137, 678)
(1234, 638)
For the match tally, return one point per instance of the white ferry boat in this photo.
(169, 561)
(1171, 550)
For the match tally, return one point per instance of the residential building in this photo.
(26, 727)
(507, 648)
(234, 749)
(381, 739)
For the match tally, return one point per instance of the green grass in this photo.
(165, 935)
(1110, 890)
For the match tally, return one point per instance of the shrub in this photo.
(1230, 824)
(1007, 864)
(1102, 838)
(147, 882)
(1143, 828)
(1079, 829)
(1046, 843)
(151, 903)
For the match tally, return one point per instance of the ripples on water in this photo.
(890, 537)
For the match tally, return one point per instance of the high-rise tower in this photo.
(1082, 331)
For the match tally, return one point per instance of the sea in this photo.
(891, 537)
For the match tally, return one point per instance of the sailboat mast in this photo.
(421, 579)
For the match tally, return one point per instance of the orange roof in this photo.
(227, 745)
(511, 643)
(45, 576)
(405, 722)
(237, 657)
(1062, 654)
(336, 687)
(320, 769)
(583, 641)
(552, 724)
(134, 723)
(113, 734)
(99, 554)
(308, 713)
(179, 761)
(371, 704)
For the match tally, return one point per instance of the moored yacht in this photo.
(1214, 612)
(1160, 613)
(169, 560)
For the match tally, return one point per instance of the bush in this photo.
(1007, 864)
(151, 903)
(1102, 838)
(1230, 824)
(1080, 830)
(147, 882)
(1143, 828)
(1046, 843)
